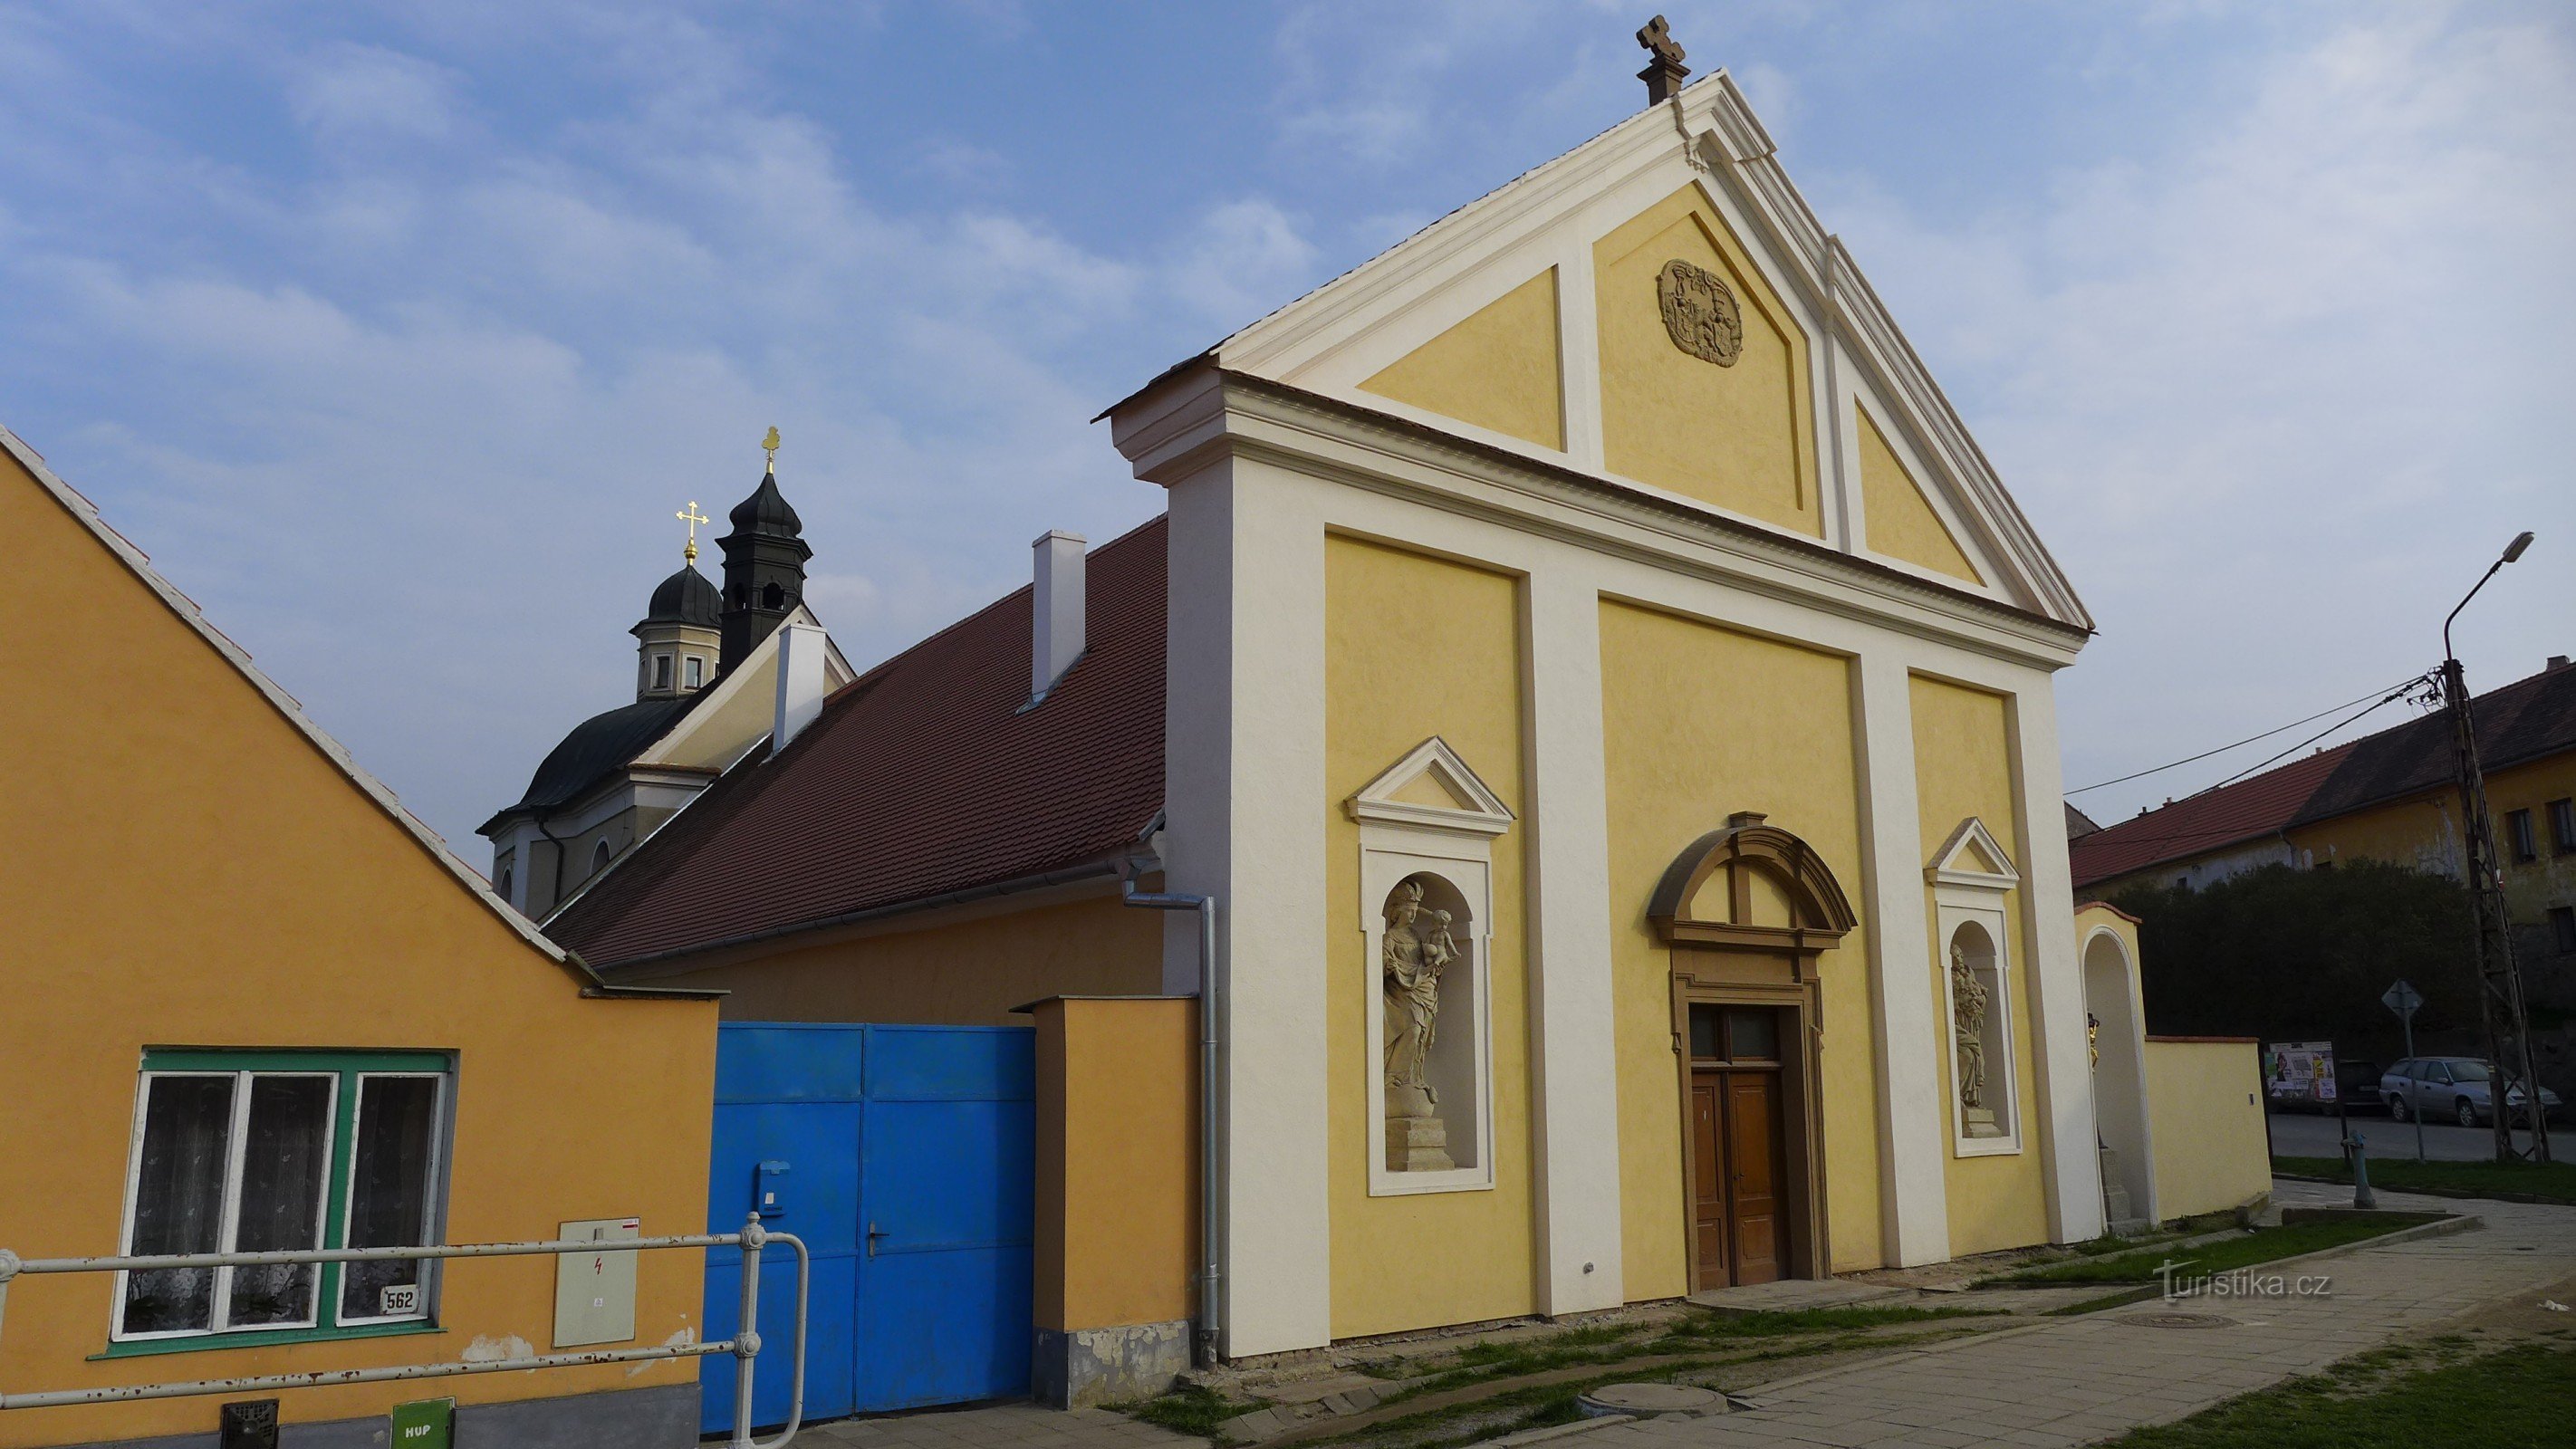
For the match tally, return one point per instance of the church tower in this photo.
(678, 645)
(764, 564)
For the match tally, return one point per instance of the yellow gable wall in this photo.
(1733, 436)
(1963, 767)
(1498, 369)
(195, 872)
(1453, 670)
(1700, 722)
(1901, 524)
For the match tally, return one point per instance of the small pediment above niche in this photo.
(1974, 859)
(1432, 789)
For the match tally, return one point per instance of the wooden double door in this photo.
(1739, 1149)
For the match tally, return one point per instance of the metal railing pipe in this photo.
(744, 1345)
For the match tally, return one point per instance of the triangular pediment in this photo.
(1432, 789)
(1972, 857)
(1652, 309)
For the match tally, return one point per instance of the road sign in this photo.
(2402, 998)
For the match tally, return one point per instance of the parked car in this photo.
(2457, 1088)
(2357, 1083)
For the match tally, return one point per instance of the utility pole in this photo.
(2499, 977)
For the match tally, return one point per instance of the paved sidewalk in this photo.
(998, 1426)
(2072, 1381)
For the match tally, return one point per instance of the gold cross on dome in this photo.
(770, 445)
(692, 517)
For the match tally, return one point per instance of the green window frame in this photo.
(220, 1183)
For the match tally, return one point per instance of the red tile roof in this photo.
(2531, 718)
(921, 778)
(2246, 810)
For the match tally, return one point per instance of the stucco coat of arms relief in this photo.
(1700, 312)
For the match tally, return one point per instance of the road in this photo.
(2304, 1134)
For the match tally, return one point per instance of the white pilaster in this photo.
(1914, 1204)
(2060, 1051)
(1245, 730)
(1576, 1081)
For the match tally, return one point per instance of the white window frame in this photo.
(228, 1222)
(693, 672)
(430, 1183)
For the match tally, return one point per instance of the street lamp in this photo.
(2499, 978)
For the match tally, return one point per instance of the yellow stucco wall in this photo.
(1454, 671)
(965, 972)
(1901, 524)
(195, 872)
(1498, 369)
(2422, 831)
(1733, 436)
(1699, 722)
(1117, 1161)
(2203, 1097)
(1963, 767)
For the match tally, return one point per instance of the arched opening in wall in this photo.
(503, 889)
(1749, 912)
(599, 855)
(1981, 1061)
(2119, 1081)
(773, 597)
(1432, 986)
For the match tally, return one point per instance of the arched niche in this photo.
(1972, 878)
(1746, 912)
(2118, 1040)
(1427, 827)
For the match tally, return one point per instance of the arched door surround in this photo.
(1746, 912)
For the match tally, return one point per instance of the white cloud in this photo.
(348, 90)
(2272, 384)
(1242, 259)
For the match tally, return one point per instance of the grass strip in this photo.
(2262, 1245)
(1610, 1343)
(2404, 1398)
(2546, 1181)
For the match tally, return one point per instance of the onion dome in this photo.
(766, 511)
(686, 597)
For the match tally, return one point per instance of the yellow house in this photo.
(255, 1005)
(1584, 719)
(2390, 796)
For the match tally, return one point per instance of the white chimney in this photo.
(801, 681)
(1055, 610)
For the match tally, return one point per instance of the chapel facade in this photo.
(1593, 701)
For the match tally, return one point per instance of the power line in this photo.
(2249, 739)
(2393, 695)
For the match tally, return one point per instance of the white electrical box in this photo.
(595, 1292)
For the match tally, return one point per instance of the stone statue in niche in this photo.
(1969, 1002)
(1418, 949)
(1700, 313)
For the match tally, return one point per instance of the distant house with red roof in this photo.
(2389, 796)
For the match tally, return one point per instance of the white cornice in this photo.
(1201, 417)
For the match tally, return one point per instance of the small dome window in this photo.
(693, 671)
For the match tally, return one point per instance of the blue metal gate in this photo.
(904, 1156)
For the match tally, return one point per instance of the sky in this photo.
(397, 334)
